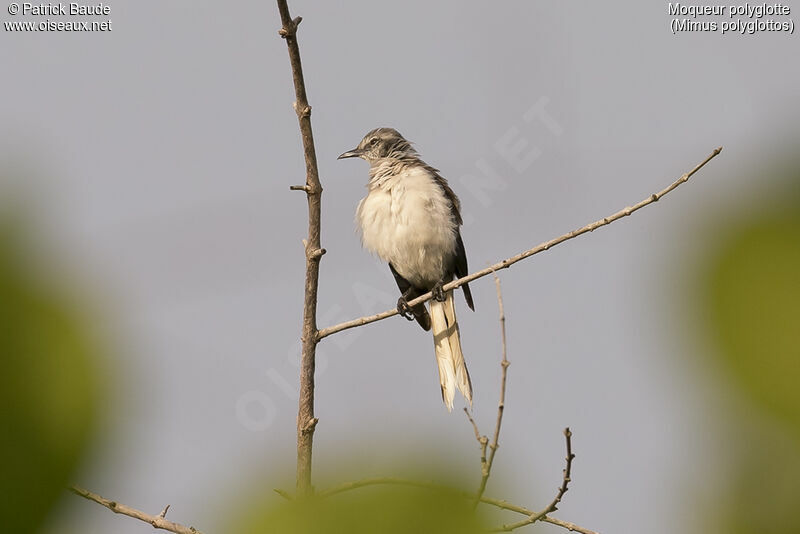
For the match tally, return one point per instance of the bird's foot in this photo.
(404, 309)
(438, 292)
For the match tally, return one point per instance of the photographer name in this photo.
(71, 9)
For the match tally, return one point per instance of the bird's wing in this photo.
(455, 204)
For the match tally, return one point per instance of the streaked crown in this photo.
(382, 143)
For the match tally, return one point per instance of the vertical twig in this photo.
(306, 422)
(487, 458)
(504, 363)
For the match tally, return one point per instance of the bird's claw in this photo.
(438, 292)
(404, 309)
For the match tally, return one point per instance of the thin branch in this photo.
(504, 505)
(157, 521)
(572, 527)
(553, 506)
(546, 519)
(504, 363)
(483, 443)
(566, 479)
(285, 494)
(488, 460)
(380, 481)
(477, 432)
(325, 332)
(306, 422)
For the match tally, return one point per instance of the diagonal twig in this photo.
(157, 521)
(553, 506)
(283, 493)
(504, 505)
(325, 332)
(483, 443)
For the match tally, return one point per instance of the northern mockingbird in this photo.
(410, 218)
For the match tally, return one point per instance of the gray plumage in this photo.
(410, 218)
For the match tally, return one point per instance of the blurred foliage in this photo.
(763, 492)
(754, 300)
(387, 509)
(47, 387)
(750, 295)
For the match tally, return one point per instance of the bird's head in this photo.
(379, 144)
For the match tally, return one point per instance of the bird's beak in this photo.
(355, 153)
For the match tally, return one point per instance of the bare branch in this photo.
(483, 443)
(572, 527)
(504, 363)
(553, 506)
(157, 521)
(567, 478)
(285, 494)
(325, 332)
(306, 422)
(474, 426)
(546, 519)
(487, 461)
(380, 481)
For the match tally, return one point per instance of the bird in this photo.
(410, 218)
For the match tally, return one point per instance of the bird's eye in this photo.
(373, 141)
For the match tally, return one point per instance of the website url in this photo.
(58, 26)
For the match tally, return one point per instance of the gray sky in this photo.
(164, 150)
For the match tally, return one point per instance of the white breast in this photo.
(406, 220)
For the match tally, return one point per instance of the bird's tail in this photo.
(447, 343)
